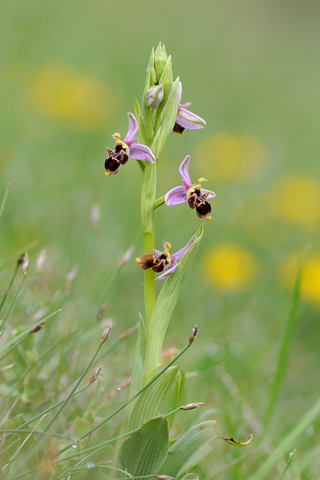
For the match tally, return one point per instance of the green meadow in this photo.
(69, 73)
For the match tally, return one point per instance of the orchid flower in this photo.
(185, 118)
(163, 261)
(127, 148)
(193, 194)
(155, 96)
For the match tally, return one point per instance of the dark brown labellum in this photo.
(148, 260)
(203, 209)
(159, 268)
(178, 129)
(111, 165)
(192, 200)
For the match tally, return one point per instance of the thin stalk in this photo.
(9, 286)
(24, 474)
(84, 373)
(160, 201)
(30, 431)
(287, 466)
(16, 341)
(284, 352)
(4, 199)
(288, 443)
(14, 255)
(124, 405)
(49, 409)
(5, 318)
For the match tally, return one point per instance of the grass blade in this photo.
(284, 351)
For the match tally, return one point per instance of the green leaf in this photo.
(15, 442)
(190, 449)
(137, 373)
(145, 451)
(164, 308)
(147, 111)
(142, 132)
(161, 398)
(34, 390)
(169, 119)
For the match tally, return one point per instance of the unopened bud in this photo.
(106, 333)
(95, 375)
(129, 332)
(155, 96)
(101, 312)
(20, 259)
(160, 59)
(163, 477)
(126, 257)
(40, 260)
(70, 279)
(193, 335)
(39, 314)
(95, 216)
(191, 406)
(25, 265)
(167, 78)
(38, 327)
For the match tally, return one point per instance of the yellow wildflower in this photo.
(296, 199)
(232, 157)
(310, 279)
(229, 267)
(70, 95)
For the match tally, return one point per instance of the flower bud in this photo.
(25, 265)
(20, 259)
(95, 375)
(37, 327)
(160, 59)
(129, 332)
(70, 279)
(166, 79)
(155, 96)
(101, 312)
(126, 257)
(191, 406)
(163, 477)
(193, 335)
(106, 333)
(150, 68)
(95, 216)
(40, 260)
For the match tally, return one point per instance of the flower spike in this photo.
(127, 148)
(185, 118)
(193, 194)
(163, 261)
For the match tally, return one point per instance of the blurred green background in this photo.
(69, 73)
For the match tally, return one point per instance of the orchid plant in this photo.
(161, 114)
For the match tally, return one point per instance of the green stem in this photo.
(147, 219)
(9, 286)
(160, 201)
(4, 199)
(5, 318)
